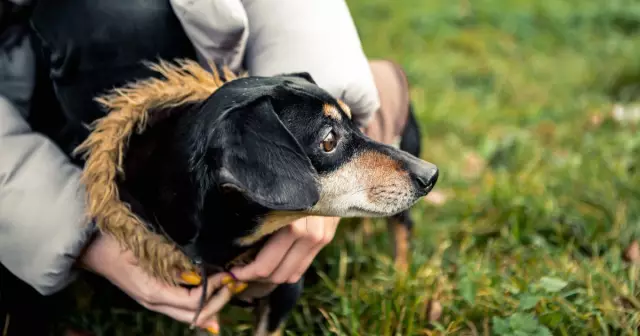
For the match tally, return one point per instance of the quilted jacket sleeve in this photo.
(316, 36)
(270, 37)
(42, 227)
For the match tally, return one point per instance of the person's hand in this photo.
(286, 255)
(105, 257)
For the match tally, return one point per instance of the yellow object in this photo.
(191, 278)
(239, 288)
(214, 330)
(227, 280)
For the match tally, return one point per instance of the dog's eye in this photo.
(329, 142)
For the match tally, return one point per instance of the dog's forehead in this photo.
(308, 98)
(275, 85)
(306, 88)
(319, 100)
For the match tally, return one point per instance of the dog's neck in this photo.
(161, 188)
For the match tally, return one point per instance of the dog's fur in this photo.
(222, 167)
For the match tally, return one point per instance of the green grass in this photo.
(541, 200)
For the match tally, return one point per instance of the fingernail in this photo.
(214, 330)
(227, 280)
(190, 278)
(238, 288)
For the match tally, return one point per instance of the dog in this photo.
(218, 173)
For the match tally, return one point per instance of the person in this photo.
(58, 57)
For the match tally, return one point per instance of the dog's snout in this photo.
(425, 176)
(427, 181)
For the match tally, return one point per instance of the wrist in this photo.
(92, 234)
(95, 255)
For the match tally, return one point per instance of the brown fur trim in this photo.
(130, 110)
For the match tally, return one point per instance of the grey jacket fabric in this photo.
(269, 37)
(41, 201)
(317, 36)
(42, 219)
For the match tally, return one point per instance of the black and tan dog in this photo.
(190, 170)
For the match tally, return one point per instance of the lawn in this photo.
(527, 232)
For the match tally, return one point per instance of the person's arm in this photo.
(42, 226)
(316, 36)
(270, 37)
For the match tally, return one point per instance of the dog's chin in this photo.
(370, 210)
(384, 211)
(369, 213)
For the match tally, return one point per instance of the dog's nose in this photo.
(428, 181)
(425, 176)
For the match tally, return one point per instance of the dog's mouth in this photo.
(375, 213)
(388, 207)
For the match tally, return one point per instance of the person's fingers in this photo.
(319, 232)
(176, 302)
(179, 314)
(214, 305)
(329, 226)
(207, 318)
(189, 299)
(311, 232)
(292, 261)
(289, 253)
(304, 265)
(268, 258)
(211, 324)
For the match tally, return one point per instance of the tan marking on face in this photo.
(270, 224)
(331, 111)
(383, 171)
(401, 237)
(345, 108)
(372, 184)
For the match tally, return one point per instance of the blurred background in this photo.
(529, 109)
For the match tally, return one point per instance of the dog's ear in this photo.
(262, 160)
(304, 75)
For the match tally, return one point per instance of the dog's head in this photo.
(216, 173)
(224, 173)
(286, 145)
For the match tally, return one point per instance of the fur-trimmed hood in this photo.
(131, 109)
